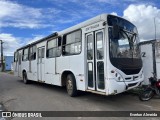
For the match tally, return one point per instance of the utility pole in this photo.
(155, 27)
(153, 48)
(2, 55)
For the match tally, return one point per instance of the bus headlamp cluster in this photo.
(118, 77)
(141, 75)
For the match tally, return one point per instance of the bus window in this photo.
(25, 54)
(99, 38)
(54, 48)
(32, 53)
(90, 75)
(72, 43)
(100, 74)
(15, 57)
(90, 47)
(42, 53)
(39, 53)
(59, 46)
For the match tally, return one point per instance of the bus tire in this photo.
(71, 85)
(25, 79)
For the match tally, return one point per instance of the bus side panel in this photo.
(51, 76)
(32, 75)
(15, 68)
(25, 67)
(62, 64)
(19, 63)
(74, 64)
(77, 65)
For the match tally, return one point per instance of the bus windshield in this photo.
(125, 46)
(123, 49)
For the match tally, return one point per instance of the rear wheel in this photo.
(146, 95)
(71, 85)
(25, 79)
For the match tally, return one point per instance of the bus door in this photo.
(40, 63)
(19, 64)
(16, 63)
(95, 60)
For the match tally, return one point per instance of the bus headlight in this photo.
(118, 77)
(141, 75)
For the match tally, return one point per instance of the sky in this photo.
(25, 21)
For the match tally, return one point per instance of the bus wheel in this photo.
(25, 79)
(71, 85)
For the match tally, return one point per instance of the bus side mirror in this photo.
(115, 31)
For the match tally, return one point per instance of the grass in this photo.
(9, 72)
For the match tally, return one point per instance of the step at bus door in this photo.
(40, 63)
(95, 60)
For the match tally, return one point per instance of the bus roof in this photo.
(85, 23)
(101, 17)
(41, 40)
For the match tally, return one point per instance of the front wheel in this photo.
(146, 95)
(71, 85)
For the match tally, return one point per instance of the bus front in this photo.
(125, 64)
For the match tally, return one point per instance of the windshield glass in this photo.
(124, 51)
(125, 46)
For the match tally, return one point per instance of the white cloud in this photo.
(35, 38)
(13, 14)
(11, 43)
(114, 13)
(143, 17)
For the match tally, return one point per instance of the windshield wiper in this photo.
(131, 39)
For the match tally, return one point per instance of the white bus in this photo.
(99, 55)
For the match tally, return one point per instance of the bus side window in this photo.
(72, 43)
(99, 38)
(25, 54)
(32, 53)
(59, 46)
(54, 48)
(15, 57)
(90, 47)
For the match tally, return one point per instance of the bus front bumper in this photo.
(115, 87)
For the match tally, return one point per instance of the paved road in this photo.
(17, 96)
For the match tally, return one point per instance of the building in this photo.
(150, 52)
(7, 63)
